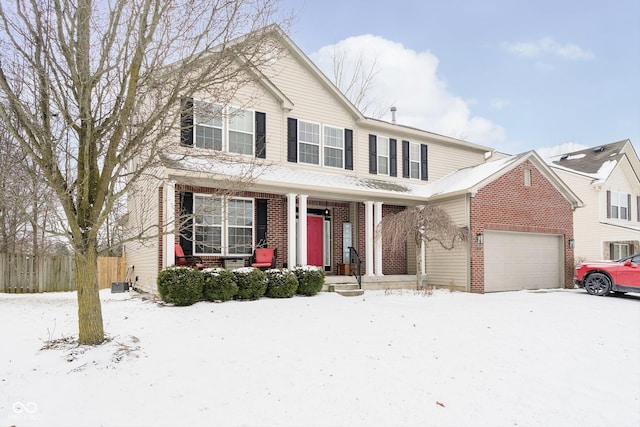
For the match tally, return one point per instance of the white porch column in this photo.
(377, 219)
(302, 229)
(368, 238)
(169, 219)
(291, 230)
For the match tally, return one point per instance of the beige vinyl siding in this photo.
(591, 227)
(142, 255)
(450, 267)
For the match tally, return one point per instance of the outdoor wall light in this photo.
(572, 243)
(479, 238)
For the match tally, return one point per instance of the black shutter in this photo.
(608, 204)
(186, 121)
(424, 171)
(405, 159)
(261, 135)
(393, 157)
(373, 154)
(610, 250)
(292, 140)
(629, 207)
(348, 149)
(261, 222)
(186, 222)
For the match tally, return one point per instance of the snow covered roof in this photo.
(595, 162)
(350, 187)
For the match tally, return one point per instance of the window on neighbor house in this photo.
(333, 146)
(619, 205)
(619, 250)
(414, 160)
(222, 225)
(230, 129)
(383, 155)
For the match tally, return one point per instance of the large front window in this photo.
(620, 250)
(321, 145)
(230, 129)
(222, 225)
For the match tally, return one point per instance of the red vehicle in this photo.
(602, 277)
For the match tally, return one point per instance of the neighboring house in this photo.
(322, 176)
(606, 178)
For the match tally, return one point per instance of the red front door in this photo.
(314, 240)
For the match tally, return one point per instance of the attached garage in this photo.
(515, 261)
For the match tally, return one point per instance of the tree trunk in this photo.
(419, 266)
(91, 329)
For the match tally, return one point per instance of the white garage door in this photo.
(514, 261)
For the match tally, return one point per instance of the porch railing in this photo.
(355, 265)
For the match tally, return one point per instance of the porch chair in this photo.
(264, 258)
(187, 260)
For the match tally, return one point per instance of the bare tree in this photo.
(421, 225)
(355, 77)
(90, 88)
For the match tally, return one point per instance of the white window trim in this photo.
(619, 200)
(226, 127)
(321, 144)
(224, 234)
(388, 162)
(412, 160)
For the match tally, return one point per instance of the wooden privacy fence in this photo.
(31, 274)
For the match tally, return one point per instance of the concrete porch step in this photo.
(346, 289)
(350, 292)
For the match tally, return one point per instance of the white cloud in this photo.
(567, 147)
(547, 46)
(408, 80)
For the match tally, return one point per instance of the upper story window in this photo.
(222, 225)
(317, 144)
(208, 125)
(333, 146)
(230, 129)
(383, 155)
(618, 205)
(309, 140)
(211, 126)
(414, 160)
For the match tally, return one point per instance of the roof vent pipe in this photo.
(393, 115)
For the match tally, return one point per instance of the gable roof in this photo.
(471, 179)
(597, 162)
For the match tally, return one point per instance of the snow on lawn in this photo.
(529, 358)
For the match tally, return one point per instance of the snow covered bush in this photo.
(180, 285)
(252, 283)
(310, 279)
(281, 283)
(219, 284)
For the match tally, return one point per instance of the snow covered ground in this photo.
(545, 358)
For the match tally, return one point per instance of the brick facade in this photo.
(507, 204)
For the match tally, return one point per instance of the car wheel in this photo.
(598, 284)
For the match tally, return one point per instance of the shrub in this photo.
(281, 283)
(180, 285)
(310, 280)
(219, 284)
(252, 283)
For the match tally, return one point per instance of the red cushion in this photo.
(264, 255)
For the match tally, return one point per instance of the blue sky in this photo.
(512, 74)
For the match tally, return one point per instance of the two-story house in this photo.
(291, 164)
(607, 180)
